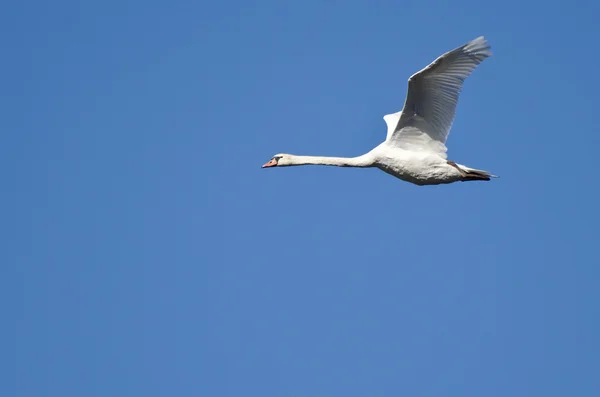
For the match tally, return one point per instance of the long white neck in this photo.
(360, 161)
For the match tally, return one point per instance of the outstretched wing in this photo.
(425, 121)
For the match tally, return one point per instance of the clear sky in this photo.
(146, 253)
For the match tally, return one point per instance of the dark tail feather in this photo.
(477, 175)
(471, 174)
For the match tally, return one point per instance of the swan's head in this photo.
(279, 160)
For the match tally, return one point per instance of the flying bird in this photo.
(415, 146)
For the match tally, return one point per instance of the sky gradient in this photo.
(146, 253)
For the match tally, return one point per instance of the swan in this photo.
(415, 146)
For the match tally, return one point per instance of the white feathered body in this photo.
(420, 168)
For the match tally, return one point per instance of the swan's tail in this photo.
(477, 175)
(472, 174)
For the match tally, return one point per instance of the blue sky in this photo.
(146, 253)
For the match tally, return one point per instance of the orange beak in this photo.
(271, 163)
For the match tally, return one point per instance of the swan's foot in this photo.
(453, 164)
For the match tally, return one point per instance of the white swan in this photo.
(414, 149)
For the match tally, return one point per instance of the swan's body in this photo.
(415, 146)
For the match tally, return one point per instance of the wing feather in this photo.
(433, 92)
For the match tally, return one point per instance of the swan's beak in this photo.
(271, 163)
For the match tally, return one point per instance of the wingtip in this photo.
(479, 46)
